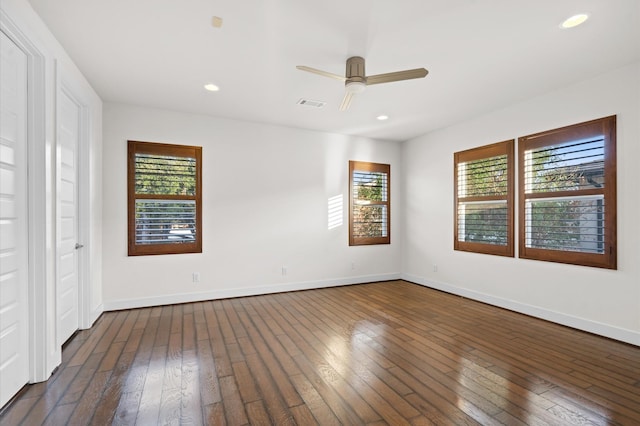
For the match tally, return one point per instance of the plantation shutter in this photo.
(369, 203)
(164, 187)
(568, 194)
(483, 200)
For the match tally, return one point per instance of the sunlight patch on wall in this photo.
(334, 211)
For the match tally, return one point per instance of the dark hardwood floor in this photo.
(384, 353)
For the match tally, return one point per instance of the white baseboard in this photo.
(115, 305)
(621, 334)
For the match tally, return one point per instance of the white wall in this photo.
(602, 301)
(50, 66)
(265, 194)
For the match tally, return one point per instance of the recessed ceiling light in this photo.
(574, 21)
(211, 87)
(382, 117)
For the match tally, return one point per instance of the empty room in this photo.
(235, 212)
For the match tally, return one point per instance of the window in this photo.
(568, 194)
(369, 207)
(164, 185)
(483, 199)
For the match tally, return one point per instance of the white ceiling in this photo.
(481, 55)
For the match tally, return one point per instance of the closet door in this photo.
(69, 248)
(14, 331)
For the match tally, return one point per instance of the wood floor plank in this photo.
(110, 399)
(258, 414)
(246, 383)
(126, 412)
(76, 388)
(316, 405)
(191, 403)
(176, 318)
(92, 341)
(234, 409)
(151, 394)
(188, 333)
(302, 415)
(209, 385)
(60, 415)
(379, 353)
(214, 414)
(127, 325)
(171, 399)
(86, 406)
(17, 411)
(111, 333)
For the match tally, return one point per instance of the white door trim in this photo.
(44, 354)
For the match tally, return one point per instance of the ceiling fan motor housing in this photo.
(355, 71)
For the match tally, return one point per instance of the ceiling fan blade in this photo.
(397, 76)
(320, 72)
(346, 101)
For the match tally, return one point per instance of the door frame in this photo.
(43, 354)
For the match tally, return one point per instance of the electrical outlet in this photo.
(195, 277)
(435, 268)
(353, 266)
(284, 271)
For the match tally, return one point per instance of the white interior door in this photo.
(14, 304)
(69, 246)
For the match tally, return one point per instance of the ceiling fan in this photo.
(355, 79)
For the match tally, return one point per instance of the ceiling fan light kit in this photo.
(355, 86)
(356, 80)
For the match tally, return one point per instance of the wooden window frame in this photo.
(369, 167)
(484, 152)
(137, 147)
(604, 126)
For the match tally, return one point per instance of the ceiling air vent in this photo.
(311, 103)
